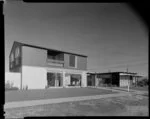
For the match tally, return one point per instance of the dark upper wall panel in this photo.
(81, 62)
(33, 56)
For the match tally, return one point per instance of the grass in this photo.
(22, 95)
(116, 106)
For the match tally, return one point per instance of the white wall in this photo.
(71, 71)
(34, 77)
(84, 79)
(123, 82)
(15, 78)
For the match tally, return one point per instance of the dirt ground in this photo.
(117, 106)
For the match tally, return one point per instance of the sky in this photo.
(112, 35)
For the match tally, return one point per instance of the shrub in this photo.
(12, 88)
(9, 86)
(143, 82)
(109, 85)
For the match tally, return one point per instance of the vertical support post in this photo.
(21, 80)
(128, 85)
(84, 79)
(63, 79)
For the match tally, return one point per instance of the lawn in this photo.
(19, 95)
(116, 106)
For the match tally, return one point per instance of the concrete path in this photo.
(132, 90)
(9, 105)
(123, 90)
(112, 89)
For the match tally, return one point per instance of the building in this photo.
(42, 67)
(119, 79)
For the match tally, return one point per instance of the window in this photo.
(54, 79)
(12, 57)
(72, 62)
(75, 80)
(11, 65)
(17, 61)
(17, 52)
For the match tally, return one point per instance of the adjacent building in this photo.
(119, 79)
(43, 67)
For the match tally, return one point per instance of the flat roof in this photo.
(111, 72)
(39, 47)
(117, 72)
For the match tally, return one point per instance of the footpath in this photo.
(124, 90)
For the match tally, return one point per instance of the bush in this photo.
(13, 88)
(9, 86)
(109, 85)
(143, 82)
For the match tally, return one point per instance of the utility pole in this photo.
(128, 81)
(96, 80)
(110, 78)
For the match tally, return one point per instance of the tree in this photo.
(143, 82)
(9, 85)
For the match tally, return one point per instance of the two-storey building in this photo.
(42, 67)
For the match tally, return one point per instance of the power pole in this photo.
(96, 80)
(110, 78)
(128, 81)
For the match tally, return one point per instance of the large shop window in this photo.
(17, 54)
(11, 60)
(54, 79)
(72, 61)
(75, 80)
